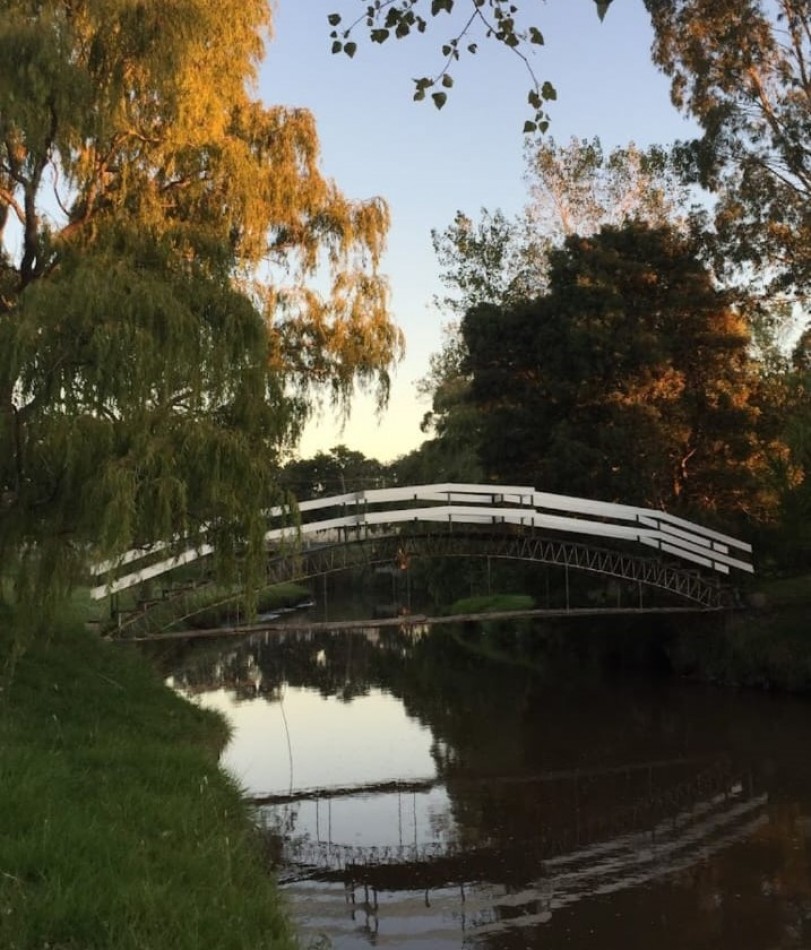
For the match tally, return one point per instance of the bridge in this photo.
(322, 535)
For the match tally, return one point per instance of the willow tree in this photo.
(160, 340)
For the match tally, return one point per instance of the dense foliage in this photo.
(160, 228)
(630, 379)
(337, 472)
(573, 188)
(741, 70)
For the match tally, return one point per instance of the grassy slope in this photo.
(117, 829)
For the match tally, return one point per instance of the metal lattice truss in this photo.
(399, 549)
(520, 513)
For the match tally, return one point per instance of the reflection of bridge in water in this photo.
(501, 884)
(706, 802)
(449, 520)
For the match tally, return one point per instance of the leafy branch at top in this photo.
(491, 19)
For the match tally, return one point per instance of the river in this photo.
(418, 795)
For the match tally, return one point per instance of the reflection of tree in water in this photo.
(341, 664)
(535, 768)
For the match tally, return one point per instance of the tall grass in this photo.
(117, 829)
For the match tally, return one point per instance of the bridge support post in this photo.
(566, 574)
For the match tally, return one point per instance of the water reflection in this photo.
(418, 795)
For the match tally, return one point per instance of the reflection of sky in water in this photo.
(333, 743)
(388, 820)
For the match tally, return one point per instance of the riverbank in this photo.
(117, 827)
(764, 645)
(767, 645)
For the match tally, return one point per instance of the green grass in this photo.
(117, 828)
(487, 603)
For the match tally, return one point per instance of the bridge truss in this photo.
(315, 561)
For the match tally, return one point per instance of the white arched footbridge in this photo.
(650, 546)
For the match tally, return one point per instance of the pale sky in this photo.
(428, 164)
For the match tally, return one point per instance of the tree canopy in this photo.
(741, 70)
(161, 231)
(572, 188)
(337, 472)
(630, 379)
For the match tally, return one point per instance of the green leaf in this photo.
(549, 92)
(334, 19)
(350, 49)
(602, 8)
(447, 81)
(337, 46)
(421, 85)
(440, 98)
(535, 36)
(530, 127)
(380, 35)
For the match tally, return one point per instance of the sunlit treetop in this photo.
(178, 277)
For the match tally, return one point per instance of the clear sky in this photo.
(428, 164)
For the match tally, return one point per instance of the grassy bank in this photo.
(117, 829)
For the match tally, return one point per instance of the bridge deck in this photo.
(408, 621)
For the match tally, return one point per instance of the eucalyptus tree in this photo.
(160, 337)
(794, 538)
(741, 70)
(575, 187)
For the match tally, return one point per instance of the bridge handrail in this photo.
(691, 549)
(471, 504)
(522, 496)
(452, 492)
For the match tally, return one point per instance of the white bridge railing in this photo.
(459, 504)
